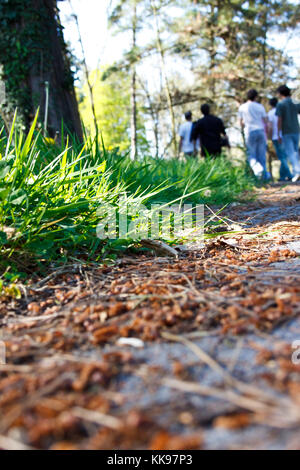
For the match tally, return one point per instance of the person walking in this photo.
(253, 120)
(288, 123)
(186, 145)
(209, 130)
(284, 173)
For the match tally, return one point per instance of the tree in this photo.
(126, 17)
(227, 45)
(34, 60)
(133, 85)
(223, 46)
(112, 109)
(148, 15)
(160, 49)
(85, 69)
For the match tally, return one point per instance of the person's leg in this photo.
(296, 138)
(276, 146)
(252, 148)
(215, 152)
(284, 167)
(290, 144)
(262, 152)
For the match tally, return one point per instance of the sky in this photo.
(102, 48)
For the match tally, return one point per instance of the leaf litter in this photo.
(191, 351)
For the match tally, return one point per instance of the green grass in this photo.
(50, 194)
(219, 181)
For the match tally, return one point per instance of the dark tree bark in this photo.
(39, 55)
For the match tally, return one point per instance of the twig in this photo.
(202, 334)
(39, 318)
(66, 269)
(227, 395)
(202, 355)
(281, 415)
(15, 368)
(97, 417)
(237, 351)
(16, 411)
(7, 443)
(231, 381)
(160, 248)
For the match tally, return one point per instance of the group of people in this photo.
(280, 124)
(207, 134)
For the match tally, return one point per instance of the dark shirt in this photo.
(288, 111)
(209, 130)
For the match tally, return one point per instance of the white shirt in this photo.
(252, 114)
(185, 132)
(273, 119)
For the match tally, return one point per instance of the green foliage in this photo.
(209, 181)
(112, 105)
(50, 196)
(233, 35)
(223, 48)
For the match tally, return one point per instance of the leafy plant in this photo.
(50, 195)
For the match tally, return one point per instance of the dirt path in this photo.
(211, 364)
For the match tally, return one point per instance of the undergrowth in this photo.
(50, 194)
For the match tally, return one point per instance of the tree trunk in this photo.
(86, 73)
(164, 73)
(154, 113)
(32, 53)
(133, 88)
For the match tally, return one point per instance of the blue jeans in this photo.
(257, 149)
(284, 167)
(291, 147)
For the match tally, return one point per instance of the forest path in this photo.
(211, 364)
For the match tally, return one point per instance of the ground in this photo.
(205, 360)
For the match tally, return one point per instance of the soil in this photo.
(194, 352)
